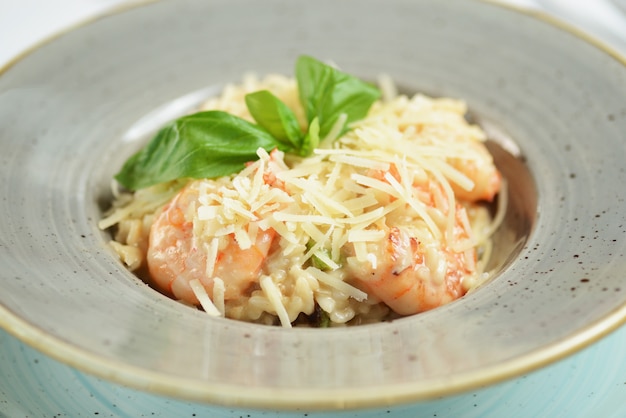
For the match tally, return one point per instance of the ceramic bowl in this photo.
(552, 101)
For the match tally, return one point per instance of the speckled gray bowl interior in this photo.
(73, 109)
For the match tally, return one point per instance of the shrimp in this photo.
(175, 256)
(480, 168)
(410, 277)
(178, 253)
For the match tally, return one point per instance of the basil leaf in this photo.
(325, 321)
(274, 115)
(314, 79)
(214, 143)
(203, 145)
(312, 138)
(326, 93)
(315, 260)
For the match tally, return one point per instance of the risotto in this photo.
(383, 216)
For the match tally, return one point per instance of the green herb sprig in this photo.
(214, 143)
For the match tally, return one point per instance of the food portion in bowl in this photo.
(318, 200)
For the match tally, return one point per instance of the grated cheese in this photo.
(392, 168)
(395, 168)
(363, 235)
(203, 297)
(335, 283)
(274, 296)
(211, 251)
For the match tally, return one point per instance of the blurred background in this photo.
(24, 22)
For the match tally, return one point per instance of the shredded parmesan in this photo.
(333, 282)
(330, 216)
(274, 296)
(359, 235)
(203, 297)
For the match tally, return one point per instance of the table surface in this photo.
(591, 383)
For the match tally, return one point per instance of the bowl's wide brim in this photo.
(74, 108)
